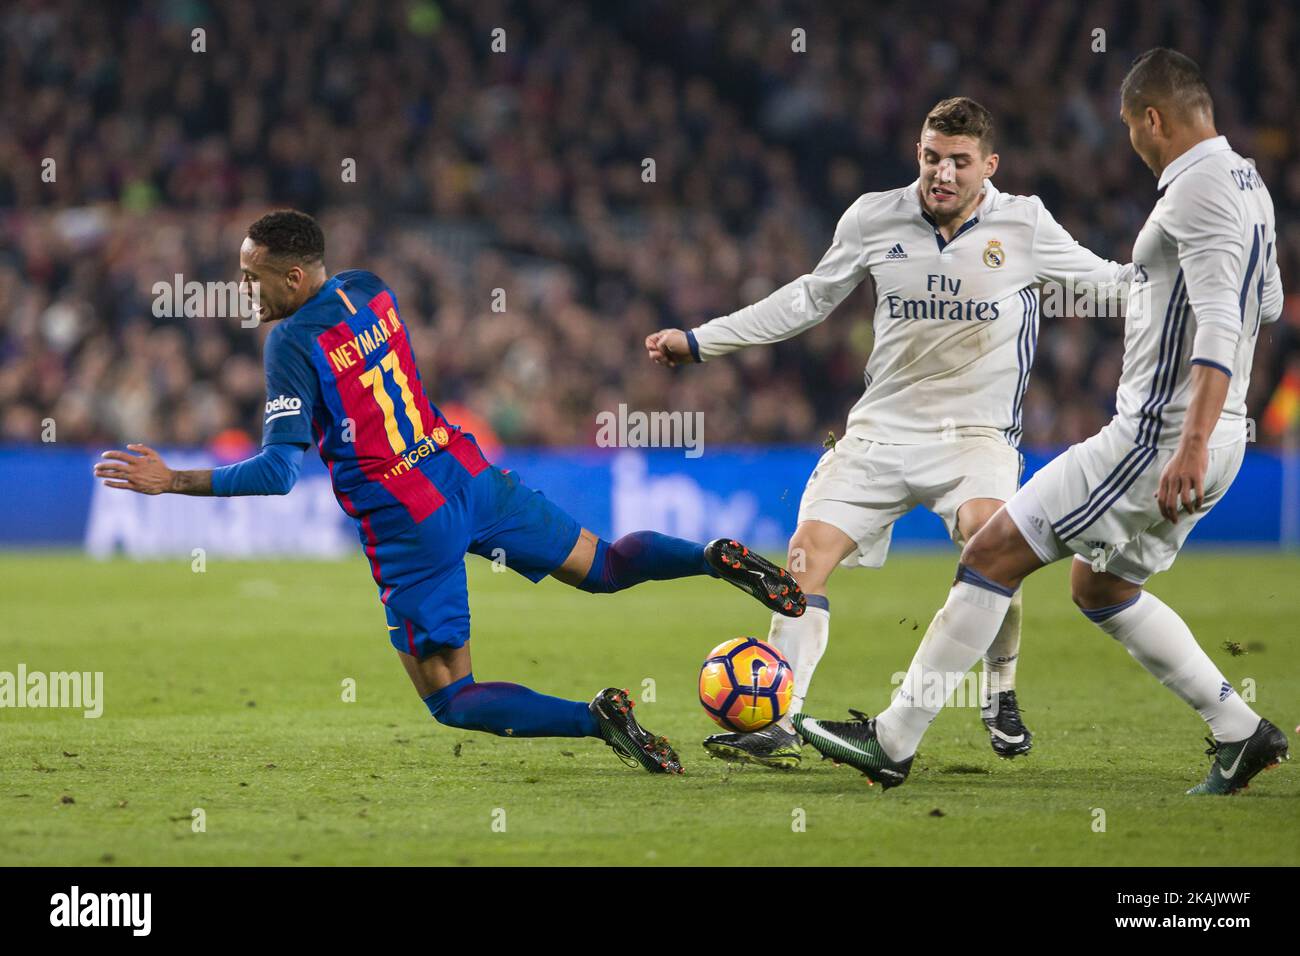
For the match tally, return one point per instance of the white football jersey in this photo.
(956, 323)
(1205, 277)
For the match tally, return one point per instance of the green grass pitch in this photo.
(224, 693)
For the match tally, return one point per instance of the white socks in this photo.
(977, 613)
(802, 640)
(1161, 642)
(958, 636)
(1000, 658)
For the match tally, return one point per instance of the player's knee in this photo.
(1082, 595)
(974, 515)
(444, 707)
(1092, 592)
(620, 564)
(980, 552)
(602, 578)
(992, 550)
(642, 556)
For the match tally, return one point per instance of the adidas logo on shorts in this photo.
(896, 252)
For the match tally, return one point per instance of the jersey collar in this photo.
(990, 193)
(1215, 144)
(322, 294)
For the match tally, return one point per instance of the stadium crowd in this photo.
(522, 170)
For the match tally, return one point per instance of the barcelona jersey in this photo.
(341, 374)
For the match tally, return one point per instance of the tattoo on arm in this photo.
(197, 482)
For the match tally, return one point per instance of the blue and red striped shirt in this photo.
(340, 373)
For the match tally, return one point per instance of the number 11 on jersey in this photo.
(374, 378)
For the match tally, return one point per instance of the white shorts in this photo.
(862, 487)
(1097, 499)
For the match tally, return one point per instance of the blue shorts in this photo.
(421, 570)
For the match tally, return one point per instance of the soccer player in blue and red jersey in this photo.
(340, 373)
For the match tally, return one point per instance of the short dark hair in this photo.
(290, 235)
(961, 116)
(1167, 79)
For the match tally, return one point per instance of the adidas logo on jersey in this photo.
(896, 252)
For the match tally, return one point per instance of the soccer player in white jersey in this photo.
(956, 266)
(1123, 502)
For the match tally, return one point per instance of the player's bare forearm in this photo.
(1209, 392)
(142, 470)
(1182, 483)
(196, 482)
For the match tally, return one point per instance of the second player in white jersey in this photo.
(1206, 278)
(956, 322)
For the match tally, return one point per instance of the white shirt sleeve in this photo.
(1210, 232)
(797, 306)
(1058, 257)
(1270, 302)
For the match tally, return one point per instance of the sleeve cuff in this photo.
(694, 344)
(1216, 344)
(1200, 361)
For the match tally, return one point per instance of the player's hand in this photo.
(1183, 481)
(142, 471)
(669, 347)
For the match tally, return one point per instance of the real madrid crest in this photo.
(994, 256)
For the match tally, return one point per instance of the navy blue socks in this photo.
(509, 710)
(643, 556)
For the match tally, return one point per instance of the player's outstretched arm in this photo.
(1060, 257)
(272, 472)
(141, 469)
(796, 306)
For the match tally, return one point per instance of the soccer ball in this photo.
(745, 684)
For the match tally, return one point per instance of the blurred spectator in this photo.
(515, 178)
